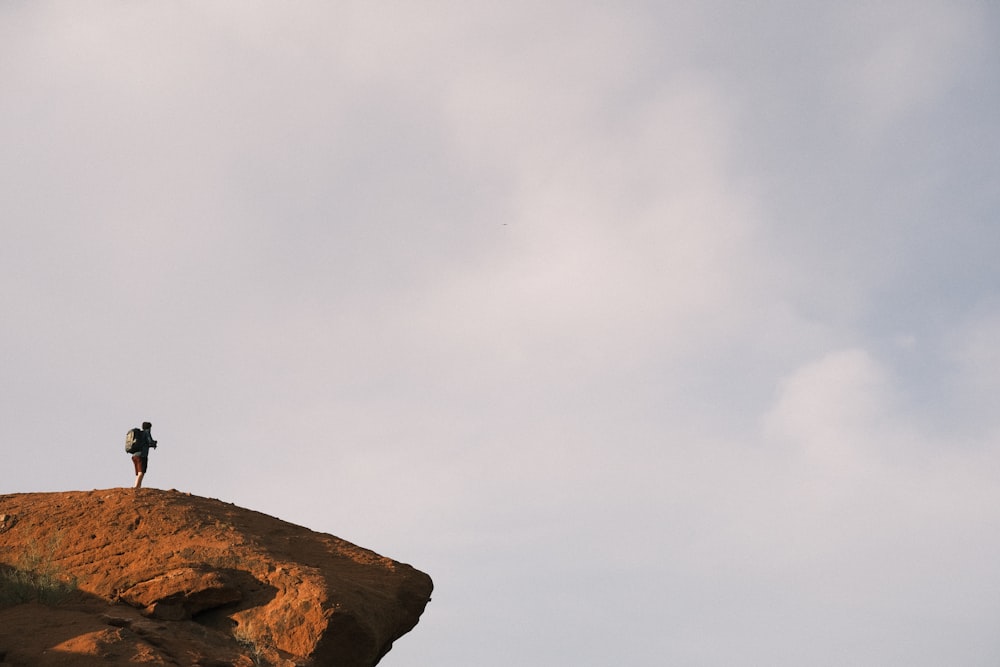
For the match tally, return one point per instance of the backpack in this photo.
(132, 439)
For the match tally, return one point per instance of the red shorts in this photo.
(140, 463)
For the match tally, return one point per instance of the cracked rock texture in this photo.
(168, 578)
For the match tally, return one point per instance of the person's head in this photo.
(146, 426)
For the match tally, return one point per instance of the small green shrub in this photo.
(251, 645)
(36, 578)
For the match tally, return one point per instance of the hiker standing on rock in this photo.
(137, 444)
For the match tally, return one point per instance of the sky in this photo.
(657, 333)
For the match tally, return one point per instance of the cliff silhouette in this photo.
(121, 576)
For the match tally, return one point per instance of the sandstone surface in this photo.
(168, 578)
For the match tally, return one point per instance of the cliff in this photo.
(120, 576)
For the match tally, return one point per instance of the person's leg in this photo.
(140, 470)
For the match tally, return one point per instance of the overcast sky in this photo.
(657, 333)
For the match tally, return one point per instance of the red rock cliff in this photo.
(169, 578)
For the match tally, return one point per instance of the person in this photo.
(140, 458)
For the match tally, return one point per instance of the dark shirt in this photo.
(145, 442)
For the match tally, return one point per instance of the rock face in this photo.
(169, 578)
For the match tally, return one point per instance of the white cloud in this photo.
(833, 409)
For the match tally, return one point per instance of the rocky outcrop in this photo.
(170, 578)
